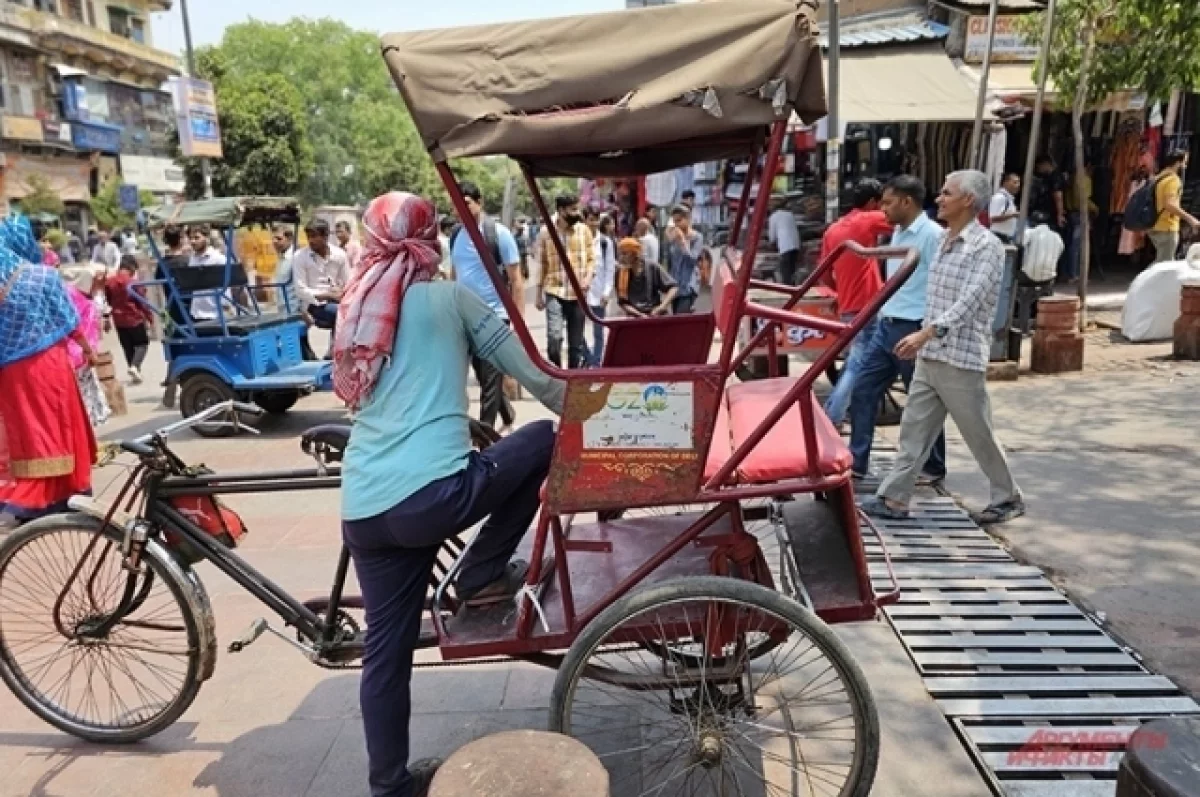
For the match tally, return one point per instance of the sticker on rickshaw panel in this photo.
(631, 443)
(643, 415)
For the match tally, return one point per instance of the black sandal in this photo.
(501, 590)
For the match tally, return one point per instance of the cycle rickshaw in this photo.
(689, 660)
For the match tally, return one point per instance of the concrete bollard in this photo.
(522, 764)
(114, 392)
(1187, 326)
(1057, 342)
(1162, 760)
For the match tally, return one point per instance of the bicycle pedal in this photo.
(256, 629)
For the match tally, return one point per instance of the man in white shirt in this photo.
(783, 233)
(351, 247)
(320, 273)
(283, 239)
(1002, 210)
(204, 308)
(649, 241)
(106, 251)
(1043, 248)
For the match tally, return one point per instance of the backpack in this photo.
(1141, 212)
(491, 239)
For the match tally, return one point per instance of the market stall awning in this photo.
(910, 84)
(1018, 83)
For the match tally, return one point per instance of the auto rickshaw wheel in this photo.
(197, 392)
(279, 402)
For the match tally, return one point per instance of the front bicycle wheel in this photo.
(61, 578)
(794, 721)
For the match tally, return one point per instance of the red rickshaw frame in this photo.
(721, 488)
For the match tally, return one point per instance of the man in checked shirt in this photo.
(952, 353)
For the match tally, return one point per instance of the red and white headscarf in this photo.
(401, 248)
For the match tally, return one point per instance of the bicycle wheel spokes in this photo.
(57, 589)
(716, 721)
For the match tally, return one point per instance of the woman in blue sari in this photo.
(46, 444)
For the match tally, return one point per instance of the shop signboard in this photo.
(21, 128)
(1010, 46)
(157, 175)
(66, 176)
(127, 196)
(96, 138)
(196, 114)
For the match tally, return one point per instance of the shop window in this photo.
(137, 30)
(48, 6)
(118, 21)
(21, 68)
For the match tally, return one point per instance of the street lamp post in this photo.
(205, 167)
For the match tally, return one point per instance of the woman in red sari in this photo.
(46, 444)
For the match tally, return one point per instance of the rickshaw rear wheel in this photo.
(799, 720)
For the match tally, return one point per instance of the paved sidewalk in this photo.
(270, 724)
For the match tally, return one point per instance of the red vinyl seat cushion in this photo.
(782, 454)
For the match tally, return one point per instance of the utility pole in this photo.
(977, 130)
(833, 135)
(1036, 122)
(205, 167)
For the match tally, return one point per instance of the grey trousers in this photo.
(939, 389)
(1165, 244)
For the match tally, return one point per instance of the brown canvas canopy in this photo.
(623, 93)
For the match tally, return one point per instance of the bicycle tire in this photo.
(187, 596)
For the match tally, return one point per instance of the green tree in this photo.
(1102, 46)
(362, 139)
(264, 133)
(41, 198)
(106, 205)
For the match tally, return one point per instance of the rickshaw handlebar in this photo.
(143, 445)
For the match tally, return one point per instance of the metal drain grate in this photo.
(1043, 699)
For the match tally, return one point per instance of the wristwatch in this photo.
(940, 331)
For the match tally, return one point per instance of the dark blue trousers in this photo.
(394, 554)
(877, 370)
(324, 315)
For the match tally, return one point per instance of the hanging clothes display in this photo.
(997, 150)
(1126, 158)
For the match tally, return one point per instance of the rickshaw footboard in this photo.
(602, 559)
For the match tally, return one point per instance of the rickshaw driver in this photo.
(410, 479)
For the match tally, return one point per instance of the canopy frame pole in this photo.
(1035, 125)
(735, 231)
(981, 100)
(552, 231)
(754, 233)
(486, 257)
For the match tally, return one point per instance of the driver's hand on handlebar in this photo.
(540, 301)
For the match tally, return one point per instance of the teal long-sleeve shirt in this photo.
(414, 428)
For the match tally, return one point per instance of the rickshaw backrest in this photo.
(189, 279)
(725, 292)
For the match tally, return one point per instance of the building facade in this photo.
(83, 99)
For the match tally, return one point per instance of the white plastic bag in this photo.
(1152, 303)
